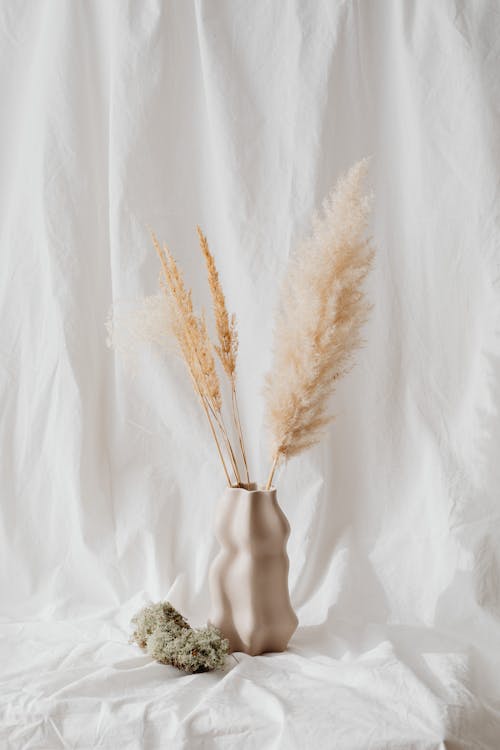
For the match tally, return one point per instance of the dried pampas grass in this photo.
(318, 323)
(317, 330)
(226, 326)
(192, 336)
(227, 335)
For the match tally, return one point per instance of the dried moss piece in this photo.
(191, 651)
(168, 638)
(159, 616)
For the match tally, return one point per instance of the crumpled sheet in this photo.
(117, 117)
(80, 685)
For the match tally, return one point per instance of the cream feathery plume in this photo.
(318, 325)
(133, 324)
(227, 335)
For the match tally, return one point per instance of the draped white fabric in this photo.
(239, 116)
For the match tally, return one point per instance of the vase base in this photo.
(263, 640)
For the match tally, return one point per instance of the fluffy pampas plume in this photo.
(319, 320)
(133, 324)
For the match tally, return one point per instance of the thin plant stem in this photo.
(217, 444)
(236, 418)
(212, 429)
(220, 422)
(271, 473)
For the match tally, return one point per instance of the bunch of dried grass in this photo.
(195, 346)
(318, 329)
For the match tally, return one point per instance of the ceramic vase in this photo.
(249, 577)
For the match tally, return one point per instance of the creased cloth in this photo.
(118, 117)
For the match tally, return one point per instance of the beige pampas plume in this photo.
(318, 325)
(227, 335)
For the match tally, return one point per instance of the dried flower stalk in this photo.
(194, 343)
(190, 333)
(207, 360)
(318, 324)
(227, 335)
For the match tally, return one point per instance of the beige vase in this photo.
(249, 577)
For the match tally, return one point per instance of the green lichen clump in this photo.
(156, 616)
(168, 638)
(192, 650)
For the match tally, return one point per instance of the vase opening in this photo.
(252, 487)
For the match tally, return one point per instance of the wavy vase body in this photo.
(249, 577)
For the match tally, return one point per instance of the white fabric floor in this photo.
(239, 116)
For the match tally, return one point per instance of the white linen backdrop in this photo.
(239, 116)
